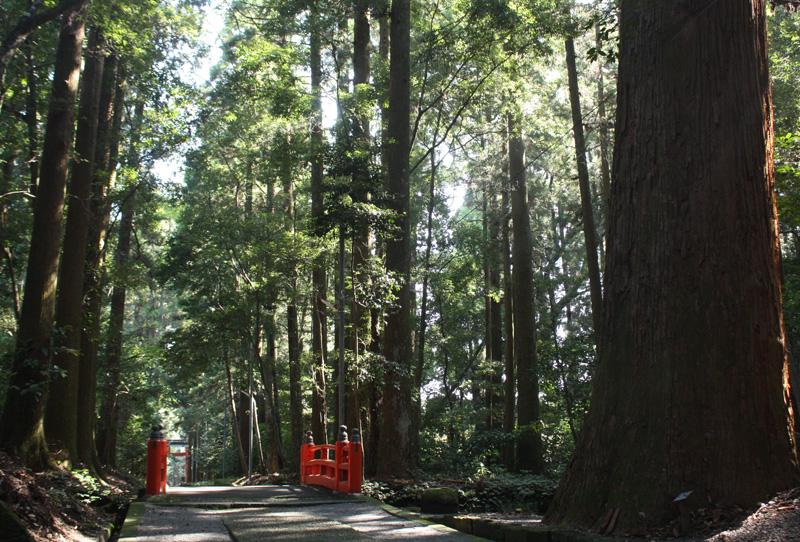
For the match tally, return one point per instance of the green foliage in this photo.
(492, 492)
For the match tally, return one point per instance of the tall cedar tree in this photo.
(529, 442)
(587, 212)
(61, 418)
(22, 425)
(393, 447)
(372, 440)
(691, 392)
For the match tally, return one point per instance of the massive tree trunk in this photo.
(22, 427)
(691, 391)
(529, 442)
(319, 319)
(394, 456)
(61, 418)
(100, 209)
(372, 440)
(587, 212)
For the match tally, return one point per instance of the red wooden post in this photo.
(163, 466)
(157, 451)
(306, 455)
(342, 474)
(356, 460)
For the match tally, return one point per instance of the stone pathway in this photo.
(282, 513)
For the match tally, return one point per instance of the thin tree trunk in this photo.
(22, 427)
(275, 458)
(292, 328)
(394, 453)
(61, 418)
(529, 443)
(561, 370)
(509, 367)
(494, 330)
(419, 366)
(693, 367)
(587, 212)
(109, 410)
(362, 185)
(235, 416)
(32, 119)
(8, 255)
(605, 169)
(319, 319)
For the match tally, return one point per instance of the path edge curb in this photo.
(132, 518)
(413, 516)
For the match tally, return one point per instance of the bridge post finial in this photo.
(342, 433)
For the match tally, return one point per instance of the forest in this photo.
(550, 245)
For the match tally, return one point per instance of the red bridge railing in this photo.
(339, 467)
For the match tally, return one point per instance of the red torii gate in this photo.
(339, 467)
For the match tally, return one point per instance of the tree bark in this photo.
(61, 417)
(22, 427)
(529, 442)
(394, 453)
(587, 212)
(693, 368)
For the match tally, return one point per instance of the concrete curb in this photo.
(503, 532)
(419, 518)
(487, 529)
(132, 518)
